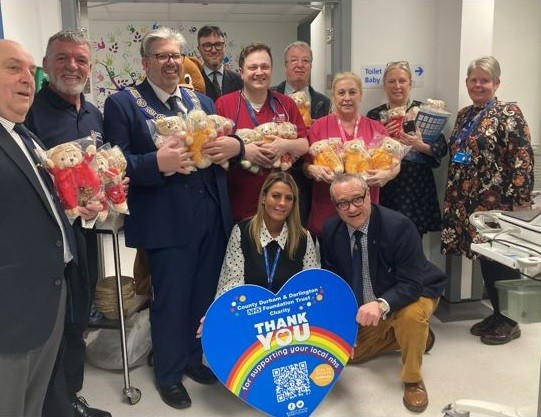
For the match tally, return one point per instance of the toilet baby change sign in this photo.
(282, 353)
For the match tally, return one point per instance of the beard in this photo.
(71, 89)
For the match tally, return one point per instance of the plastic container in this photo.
(520, 299)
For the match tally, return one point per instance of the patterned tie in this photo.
(173, 104)
(46, 178)
(357, 264)
(215, 82)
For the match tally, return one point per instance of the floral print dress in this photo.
(499, 176)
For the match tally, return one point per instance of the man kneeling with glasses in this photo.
(379, 253)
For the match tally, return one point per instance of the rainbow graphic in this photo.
(319, 338)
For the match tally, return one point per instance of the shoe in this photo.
(81, 408)
(480, 328)
(201, 374)
(501, 334)
(430, 340)
(175, 396)
(415, 396)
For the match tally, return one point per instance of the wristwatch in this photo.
(383, 308)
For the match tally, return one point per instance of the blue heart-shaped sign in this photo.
(282, 353)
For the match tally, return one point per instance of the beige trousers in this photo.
(405, 331)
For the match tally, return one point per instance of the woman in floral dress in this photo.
(490, 168)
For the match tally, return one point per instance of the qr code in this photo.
(291, 381)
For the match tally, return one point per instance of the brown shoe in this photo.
(430, 340)
(501, 334)
(415, 396)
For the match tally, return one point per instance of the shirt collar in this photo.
(8, 124)
(363, 229)
(266, 237)
(162, 95)
(288, 89)
(209, 71)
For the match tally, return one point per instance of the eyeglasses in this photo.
(162, 58)
(357, 202)
(398, 64)
(296, 61)
(207, 47)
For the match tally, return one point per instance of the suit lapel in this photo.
(15, 153)
(344, 246)
(372, 242)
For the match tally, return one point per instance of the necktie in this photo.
(173, 104)
(216, 83)
(357, 264)
(46, 178)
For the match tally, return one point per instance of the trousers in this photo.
(405, 330)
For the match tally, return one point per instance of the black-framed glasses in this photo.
(163, 57)
(357, 202)
(207, 47)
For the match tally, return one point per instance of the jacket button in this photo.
(57, 282)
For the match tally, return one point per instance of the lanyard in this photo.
(471, 122)
(270, 272)
(343, 132)
(251, 110)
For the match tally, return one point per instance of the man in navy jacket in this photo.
(182, 220)
(396, 287)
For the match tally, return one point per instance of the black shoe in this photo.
(478, 329)
(501, 334)
(175, 396)
(81, 408)
(430, 340)
(201, 374)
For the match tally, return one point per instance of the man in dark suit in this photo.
(182, 220)
(298, 61)
(60, 114)
(378, 252)
(38, 250)
(218, 80)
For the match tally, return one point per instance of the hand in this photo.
(320, 173)
(368, 314)
(125, 184)
(415, 140)
(279, 146)
(380, 177)
(259, 155)
(200, 328)
(174, 158)
(393, 127)
(93, 207)
(221, 149)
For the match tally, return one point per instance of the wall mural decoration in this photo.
(117, 60)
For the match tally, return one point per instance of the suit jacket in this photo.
(231, 82)
(31, 254)
(160, 211)
(320, 105)
(399, 270)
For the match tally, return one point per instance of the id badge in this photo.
(463, 158)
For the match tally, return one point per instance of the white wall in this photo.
(517, 46)
(31, 22)
(320, 65)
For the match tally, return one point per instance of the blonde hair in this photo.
(293, 221)
(347, 75)
(403, 65)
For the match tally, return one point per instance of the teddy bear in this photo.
(75, 181)
(324, 155)
(199, 131)
(302, 101)
(266, 130)
(248, 136)
(223, 127)
(286, 130)
(356, 157)
(111, 167)
(388, 154)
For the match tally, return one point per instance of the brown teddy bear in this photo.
(75, 181)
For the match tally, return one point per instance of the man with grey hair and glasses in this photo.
(182, 220)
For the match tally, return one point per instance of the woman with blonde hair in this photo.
(345, 123)
(271, 246)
